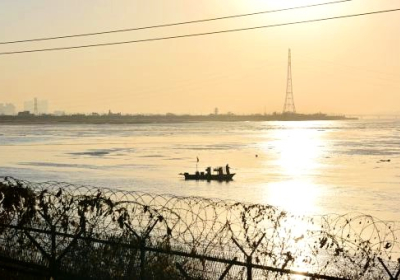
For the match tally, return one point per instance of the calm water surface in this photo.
(316, 167)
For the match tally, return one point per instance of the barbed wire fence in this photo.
(60, 229)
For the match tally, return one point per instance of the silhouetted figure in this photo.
(227, 169)
(208, 170)
(220, 172)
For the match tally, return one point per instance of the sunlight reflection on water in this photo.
(304, 167)
(293, 196)
(299, 150)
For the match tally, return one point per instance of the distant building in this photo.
(25, 113)
(113, 114)
(59, 113)
(7, 109)
(36, 106)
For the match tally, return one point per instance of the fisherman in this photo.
(208, 170)
(220, 171)
(227, 169)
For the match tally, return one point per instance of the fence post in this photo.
(249, 257)
(249, 261)
(53, 264)
(142, 243)
(142, 246)
(396, 277)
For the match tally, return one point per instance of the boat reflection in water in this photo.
(208, 176)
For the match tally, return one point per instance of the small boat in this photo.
(207, 176)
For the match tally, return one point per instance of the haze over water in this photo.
(315, 167)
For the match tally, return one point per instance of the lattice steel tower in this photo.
(289, 100)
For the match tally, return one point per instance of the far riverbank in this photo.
(167, 118)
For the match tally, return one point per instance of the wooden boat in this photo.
(208, 176)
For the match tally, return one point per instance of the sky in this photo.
(345, 66)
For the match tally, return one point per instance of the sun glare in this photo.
(298, 150)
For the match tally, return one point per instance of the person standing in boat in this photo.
(227, 169)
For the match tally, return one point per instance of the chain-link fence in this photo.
(58, 230)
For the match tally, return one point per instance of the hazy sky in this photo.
(339, 66)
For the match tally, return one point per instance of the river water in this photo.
(314, 167)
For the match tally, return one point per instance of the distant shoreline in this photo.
(168, 118)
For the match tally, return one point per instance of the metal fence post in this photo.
(396, 277)
(52, 264)
(142, 243)
(249, 261)
(249, 257)
(142, 246)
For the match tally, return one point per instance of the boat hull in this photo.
(206, 177)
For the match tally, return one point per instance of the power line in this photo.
(167, 25)
(197, 34)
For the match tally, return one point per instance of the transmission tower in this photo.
(289, 100)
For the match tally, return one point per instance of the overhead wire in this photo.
(198, 34)
(168, 24)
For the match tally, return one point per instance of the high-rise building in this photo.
(7, 109)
